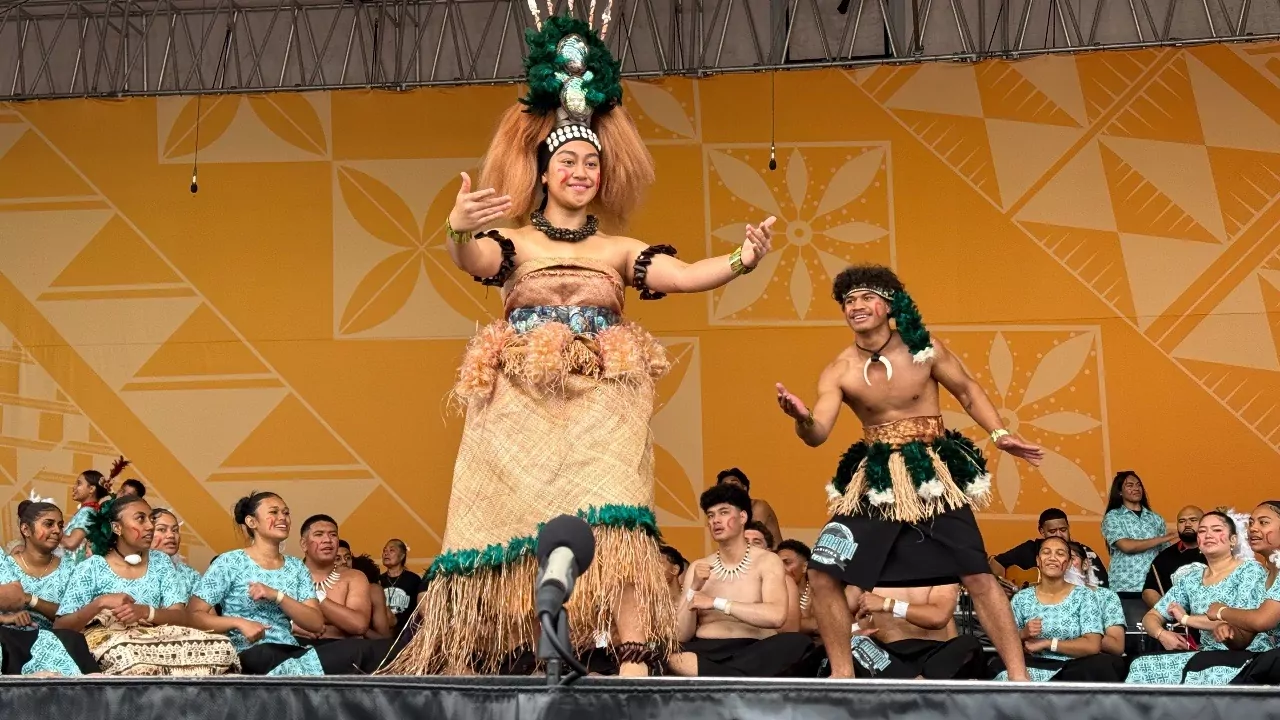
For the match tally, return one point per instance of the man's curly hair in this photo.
(868, 276)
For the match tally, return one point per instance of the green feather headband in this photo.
(910, 324)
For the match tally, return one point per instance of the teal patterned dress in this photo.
(1244, 588)
(50, 587)
(188, 576)
(47, 653)
(1128, 572)
(159, 586)
(1078, 614)
(226, 583)
(79, 521)
(1110, 607)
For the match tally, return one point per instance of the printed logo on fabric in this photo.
(835, 546)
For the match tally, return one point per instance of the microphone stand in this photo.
(554, 647)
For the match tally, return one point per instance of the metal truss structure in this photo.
(112, 48)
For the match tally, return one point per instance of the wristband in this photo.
(1053, 645)
(900, 608)
(888, 605)
(279, 596)
(1218, 615)
(33, 601)
(997, 434)
(151, 614)
(720, 604)
(688, 595)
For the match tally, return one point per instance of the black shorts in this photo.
(867, 552)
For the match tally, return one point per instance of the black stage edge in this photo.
(489, 698)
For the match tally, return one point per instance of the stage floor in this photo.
(255, 698)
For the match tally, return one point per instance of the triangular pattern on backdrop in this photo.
(335, 498)
(35, 246)
(32, 169)
(202, 345)
(1236, 332)
(1106, 76)
(940, 88)
(1246, 183)
(1022, 152)
(9, 134)
(961, 142)
(116, 336)
(1181, 172)
(882, 81)
(202, 427)
(1229, 119)
(1058, 77)
(1270, 280)
(116, 256)
(290, 436)
(1141, 207)
(1094, 256)
(1076, 197)
(1165, 109)
(1252, 395)
(1160, 269)
(381, 515)
(1008, 95)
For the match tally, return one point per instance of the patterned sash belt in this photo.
(580, 320)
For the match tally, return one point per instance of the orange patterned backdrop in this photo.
(1096, 235)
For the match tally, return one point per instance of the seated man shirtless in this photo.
(915, 635)
(734, 602)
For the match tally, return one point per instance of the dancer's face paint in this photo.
(573, 175)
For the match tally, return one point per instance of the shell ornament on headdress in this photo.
(570, 73)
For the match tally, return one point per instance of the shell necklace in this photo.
(804, 598)
(323, 587)
(723, 573)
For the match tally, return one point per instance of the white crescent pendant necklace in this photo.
(723, 573)
(323, 587)
(876, 357)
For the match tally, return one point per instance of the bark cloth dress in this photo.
(558, 399)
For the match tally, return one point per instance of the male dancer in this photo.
(901, 497)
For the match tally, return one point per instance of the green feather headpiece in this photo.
(570, 70)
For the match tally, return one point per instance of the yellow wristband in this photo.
(997, 434)
(458, 238)
(735, 263)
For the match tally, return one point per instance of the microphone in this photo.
(566, 548)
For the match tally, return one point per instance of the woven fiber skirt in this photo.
(555, 424)
(908, 471)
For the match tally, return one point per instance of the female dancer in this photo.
(280, 591)
(1133, 531)
(30, 645)
(559, 394)
(1264, 540)
(168, 540)
(92, 488)
(1232, 578)
(130, 604)
(1061, 623)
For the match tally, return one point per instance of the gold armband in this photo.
(458, 238)
(735, 263)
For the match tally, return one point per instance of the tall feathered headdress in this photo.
(574, 93)
(117, 467)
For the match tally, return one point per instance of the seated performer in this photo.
(795, 558)
(758, 536)
(1053, 523)
(168, 540)
(1061, 623)
(1173, 558)
(31, 585)
(382, 621)
(1230, 577)
(915, 636)
(1109, 605)
(130, 603)
(901, 498)
(1264, 541)
(761, 510)
(343, 593)
(400, 585)
(676, 567)
(262, 593)
(734, 602)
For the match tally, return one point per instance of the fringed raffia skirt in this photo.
(556, 423)
(908, 471)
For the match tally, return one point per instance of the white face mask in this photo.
(1075, 577)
